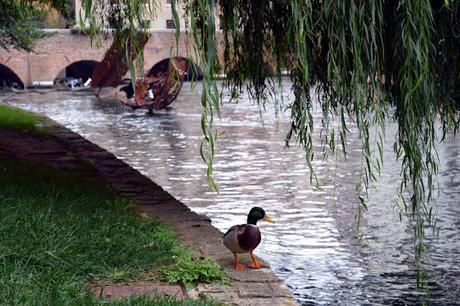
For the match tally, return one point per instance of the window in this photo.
(170, 24)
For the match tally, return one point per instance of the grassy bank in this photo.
(19, 120)
(59, 233)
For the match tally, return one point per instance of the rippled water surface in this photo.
(313, 246)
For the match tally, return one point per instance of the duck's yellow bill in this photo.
(268, 219)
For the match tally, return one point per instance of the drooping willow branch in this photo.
(367, 60)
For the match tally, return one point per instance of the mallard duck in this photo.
(244, 238)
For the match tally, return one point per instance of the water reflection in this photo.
(313, 245)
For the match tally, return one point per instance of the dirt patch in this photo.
(40, 149)
(139, 288)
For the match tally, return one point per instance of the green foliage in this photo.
(16, 29)
(190, 271)
(65, 7)
(148, 301)
(18, 21)
(128, 31)
(366, 61)
(16, 119)
(59, 232)
(202, 23)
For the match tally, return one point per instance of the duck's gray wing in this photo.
(232, 237)
(231, 229)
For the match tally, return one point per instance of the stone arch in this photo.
(80, 69)
(9, 78)
(193, 72)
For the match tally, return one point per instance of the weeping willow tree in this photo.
(369, 61)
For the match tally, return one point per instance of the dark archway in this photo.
(81, 70)
(193, 72)
(8, 78)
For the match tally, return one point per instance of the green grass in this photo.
(58, 233)
(16, 119)
(190, 271)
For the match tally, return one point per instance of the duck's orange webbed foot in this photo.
(238, 266)
(255, 263)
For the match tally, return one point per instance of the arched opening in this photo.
(9, 79)
(193, 71)
(79, 70)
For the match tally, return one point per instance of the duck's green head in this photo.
(256, 214)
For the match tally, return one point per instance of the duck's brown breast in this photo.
(249, 238)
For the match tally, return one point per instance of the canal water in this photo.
(314, 246)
